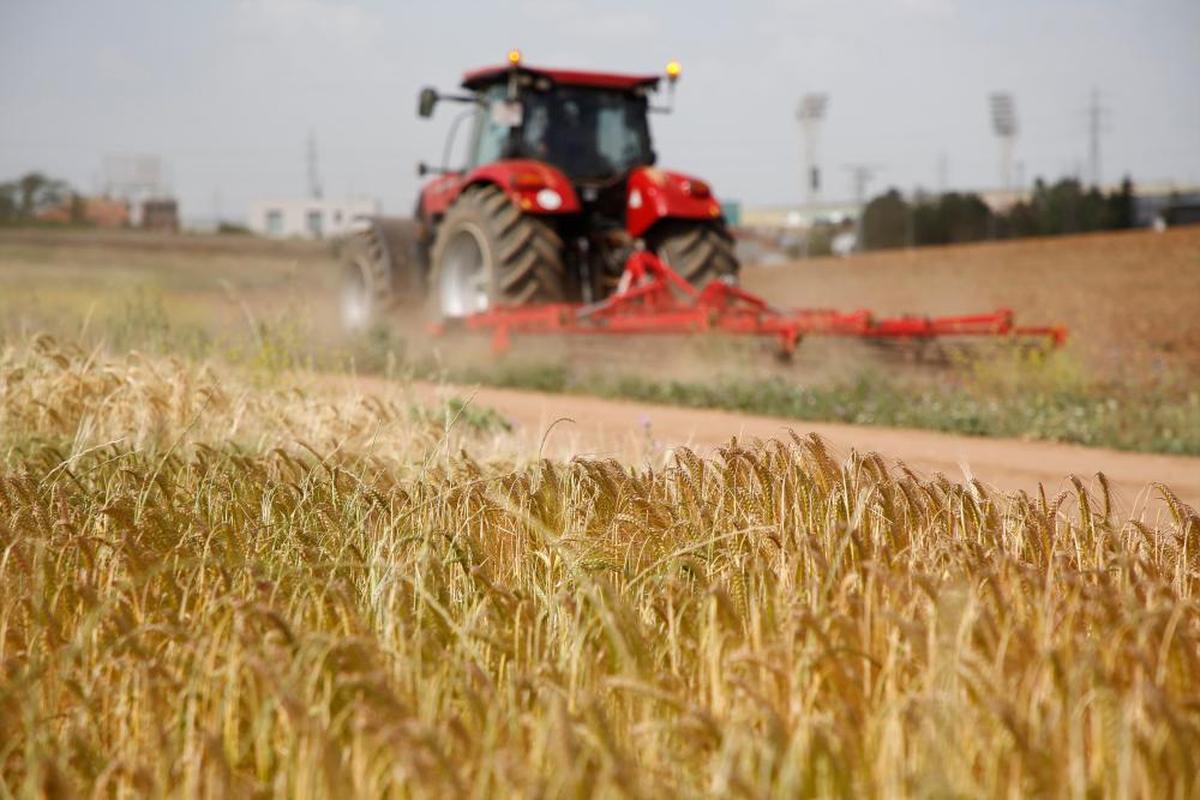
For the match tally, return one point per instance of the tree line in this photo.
(891, 220)
(23, 199)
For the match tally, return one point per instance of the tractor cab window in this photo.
(590, 134)
(491, 131)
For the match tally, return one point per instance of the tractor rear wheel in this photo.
(699, 251)
(381, 270)
(488, 253)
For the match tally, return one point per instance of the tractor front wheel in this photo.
(700, 252)
(488, 253)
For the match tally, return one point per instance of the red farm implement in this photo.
(653, 299)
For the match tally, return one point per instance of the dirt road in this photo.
(631, 429)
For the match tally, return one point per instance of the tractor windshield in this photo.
(590, 134)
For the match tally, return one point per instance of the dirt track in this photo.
(620, 428)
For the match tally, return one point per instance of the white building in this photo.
(309, 218)
(799, 217)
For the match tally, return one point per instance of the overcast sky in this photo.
(226, 91)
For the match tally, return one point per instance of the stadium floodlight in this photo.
(1004, 125)
(1004, 114)
(812, 106)
(809, 113)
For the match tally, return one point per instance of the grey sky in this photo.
(226, 91)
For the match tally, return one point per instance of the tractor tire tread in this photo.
(527, 251)
(700, 252)
(385, 259)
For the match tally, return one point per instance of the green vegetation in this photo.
(21, 200)
(216, 586)
(891, 220)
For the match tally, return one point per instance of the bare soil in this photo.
(1130, 299)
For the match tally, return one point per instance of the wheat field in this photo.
(213, 585)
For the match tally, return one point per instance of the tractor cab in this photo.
(591, 126)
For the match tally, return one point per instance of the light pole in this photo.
(1004, 125)
(809, 113)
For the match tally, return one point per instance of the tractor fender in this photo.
(533, 186)
(657, 194)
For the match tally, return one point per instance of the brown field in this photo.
(1131, 300)
(50, 277)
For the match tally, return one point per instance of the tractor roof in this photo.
(571, 77)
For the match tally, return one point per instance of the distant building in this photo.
(160, 214)
(1168, 204)
(798, 217)
(1152, 200)
(309, 218)
(102, 212)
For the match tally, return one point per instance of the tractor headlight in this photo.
(549, 199)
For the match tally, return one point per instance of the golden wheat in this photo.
(212, 589)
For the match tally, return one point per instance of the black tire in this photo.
(487, 253)
(382, 270)
(699, 251)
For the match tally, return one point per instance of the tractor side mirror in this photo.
(424, 169)
(426, 101)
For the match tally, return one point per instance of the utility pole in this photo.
(910, 218)
(314, 182)
(860, 178)
(1096, 114)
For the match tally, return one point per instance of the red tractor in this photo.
(560, 223)
(560, 188)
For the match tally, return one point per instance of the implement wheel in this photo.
(699, 251)
(488, 253)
